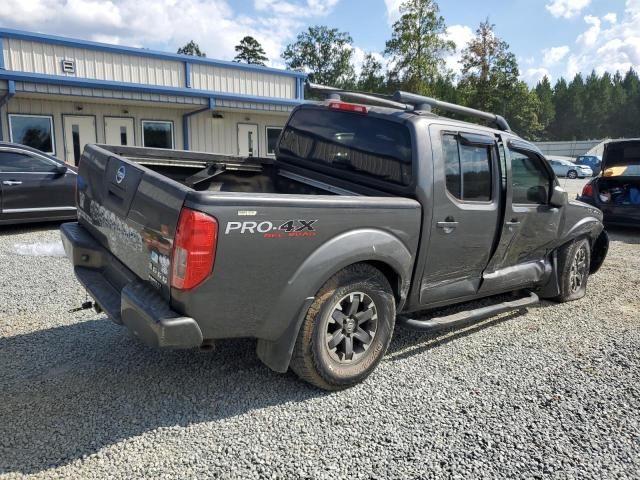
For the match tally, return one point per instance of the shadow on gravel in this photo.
(67, 392)
(407, 343)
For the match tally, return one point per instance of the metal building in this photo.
(57, 94)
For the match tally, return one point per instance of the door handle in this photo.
(11, 182)
(513, 222)
(448, 226)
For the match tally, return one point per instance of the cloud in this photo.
(393, 10)
(553, 55)
(610, 48)
(168, 24)
(533, 75)
(567, 8)
(461, 36)
(590, 37)
(610, 17)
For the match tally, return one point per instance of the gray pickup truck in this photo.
(369, 211)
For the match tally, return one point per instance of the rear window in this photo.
(363, 145)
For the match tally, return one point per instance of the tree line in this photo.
(594, 107)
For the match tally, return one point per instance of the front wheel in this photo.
(574, 262)
(347, 329)
(572, 174)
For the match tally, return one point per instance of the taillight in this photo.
(348, 107)
(587, 190)
(194, 249)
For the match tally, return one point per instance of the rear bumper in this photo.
(623, 215)
(123, 296)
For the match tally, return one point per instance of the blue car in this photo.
(592, 161)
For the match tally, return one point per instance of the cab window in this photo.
(467, 169)
(531, 182)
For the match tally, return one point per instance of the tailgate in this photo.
(132, 211)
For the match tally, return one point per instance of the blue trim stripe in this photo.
(1, 54)
(187, 74)
(140, 52)
(135, 87)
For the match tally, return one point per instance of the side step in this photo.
(470, 316)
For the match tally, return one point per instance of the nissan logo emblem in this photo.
(120, 174)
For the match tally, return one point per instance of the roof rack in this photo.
(409, 102)
(334, 93)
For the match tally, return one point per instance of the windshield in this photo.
(363, 145)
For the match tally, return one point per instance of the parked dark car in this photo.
(34, 186)
(617, 190)
(365, 212)
(592, 161)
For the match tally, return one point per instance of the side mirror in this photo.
(559, 197)
(60, 170)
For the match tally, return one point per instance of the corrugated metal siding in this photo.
(38, 57)
(220, 135)
(205, 77)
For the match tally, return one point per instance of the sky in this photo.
(549, 37)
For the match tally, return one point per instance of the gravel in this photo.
(550, 393)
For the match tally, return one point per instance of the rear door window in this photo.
(358, 144)
(467, 169)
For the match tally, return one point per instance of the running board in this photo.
(470, 316)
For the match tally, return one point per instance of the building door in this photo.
(248, 140)
(78, 131)
(118, 131)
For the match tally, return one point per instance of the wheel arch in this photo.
(379, 248)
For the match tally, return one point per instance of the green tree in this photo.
(489, 71)
(417, 47)
(547, 111)
(325, 54)
(371, 77)
(575, 108)
(561, 126)
(631, 109)
(250, 51)
(191, 48)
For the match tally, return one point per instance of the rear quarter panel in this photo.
(262, 273)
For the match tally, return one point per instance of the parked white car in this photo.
(565, 168)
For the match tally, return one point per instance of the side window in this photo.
(15, 162)
(531, 182)
(467, 169)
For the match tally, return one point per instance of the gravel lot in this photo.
(554, 392)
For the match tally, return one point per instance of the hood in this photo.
(621, 158)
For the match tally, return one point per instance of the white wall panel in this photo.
(38, 57)
(244, 82)
(220, 135)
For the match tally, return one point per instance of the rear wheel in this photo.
(573, 270)
(572, 174)
(347, 329)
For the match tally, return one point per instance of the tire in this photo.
(573, 270)
(321, 355)
(572, 174)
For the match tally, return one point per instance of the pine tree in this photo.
(547, 111)
(417, 47)
(371, 77)
(250, 51)
(191, 48)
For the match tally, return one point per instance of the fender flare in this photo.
(276, 342)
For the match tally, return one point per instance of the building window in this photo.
(273, 133)
(34, 131)
(157, 134)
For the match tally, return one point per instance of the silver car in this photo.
(565, 168)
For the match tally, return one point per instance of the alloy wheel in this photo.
(578, 269)
(352, 327)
